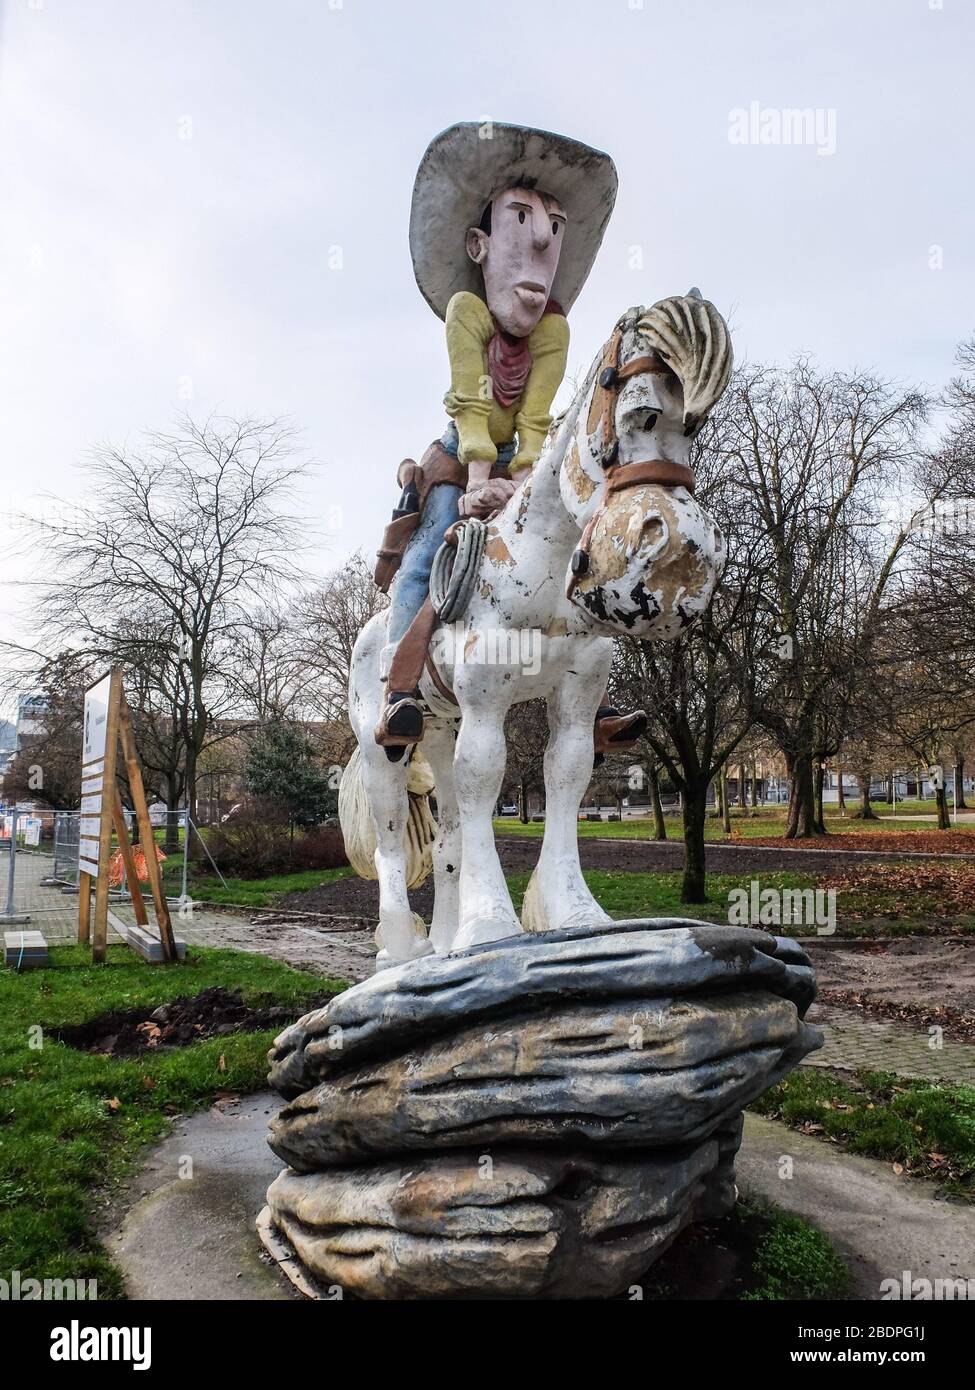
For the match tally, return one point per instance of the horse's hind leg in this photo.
(399, 934)
(438, 745)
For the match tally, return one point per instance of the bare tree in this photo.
(325, 623)
(181, 538)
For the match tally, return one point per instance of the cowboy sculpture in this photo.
(572, 535)
(504, 228)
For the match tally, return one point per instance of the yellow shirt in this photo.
(483, 423)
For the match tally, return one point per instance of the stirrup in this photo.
(400, 725)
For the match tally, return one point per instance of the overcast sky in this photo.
(175, 176)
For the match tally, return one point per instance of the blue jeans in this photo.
(413, 581)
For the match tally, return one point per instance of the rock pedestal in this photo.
(537, 1118)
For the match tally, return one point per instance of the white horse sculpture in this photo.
(604, 538)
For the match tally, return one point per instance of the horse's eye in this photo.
(555, 229)
(521, 215)
(651, 420)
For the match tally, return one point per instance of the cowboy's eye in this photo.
(521, 215)
(555, 229)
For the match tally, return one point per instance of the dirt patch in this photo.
(894, 842)
(209, 1014)
(911, 977)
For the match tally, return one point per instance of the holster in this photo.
(436, 466)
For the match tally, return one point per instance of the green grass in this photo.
(767, 1254)
(928, 1130)
(624, 894)
(795, 1261)
(245, 892)
(71, 1122)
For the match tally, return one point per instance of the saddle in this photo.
(416, 480)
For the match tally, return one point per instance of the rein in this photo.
(620, 476)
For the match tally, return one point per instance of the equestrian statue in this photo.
(521, 547)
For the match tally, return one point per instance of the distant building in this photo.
(31, 710)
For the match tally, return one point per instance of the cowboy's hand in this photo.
(485, 497)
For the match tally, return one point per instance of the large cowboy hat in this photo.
(467, 165)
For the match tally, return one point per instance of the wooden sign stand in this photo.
(108, 724)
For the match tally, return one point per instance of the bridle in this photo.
(620, 476)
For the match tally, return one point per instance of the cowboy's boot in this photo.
(612, 731)
(401, 721)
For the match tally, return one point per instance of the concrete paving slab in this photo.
(191, 1233)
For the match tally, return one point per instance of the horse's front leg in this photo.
(486, 913)
(558, 895)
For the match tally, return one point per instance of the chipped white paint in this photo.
(655, 559)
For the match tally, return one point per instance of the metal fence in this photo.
(67, 826)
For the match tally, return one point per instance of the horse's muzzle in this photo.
(655, 558)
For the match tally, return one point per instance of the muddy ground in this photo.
(917, 970)
(212, 1013)
(930, 971)
(358, 898)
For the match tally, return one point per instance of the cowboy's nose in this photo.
(541, 232)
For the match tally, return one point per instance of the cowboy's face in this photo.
(520, 256)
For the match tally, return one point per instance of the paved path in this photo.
(347, 951)
(882, 1224)
(857, 1042)
(190, 1231)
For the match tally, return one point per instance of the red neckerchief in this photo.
(509, 361)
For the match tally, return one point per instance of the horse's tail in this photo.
(358, 829)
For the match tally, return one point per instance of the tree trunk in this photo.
(523, 814)
(941, 801)
(864, 778)
(742, 790)
(840, 793)
(802, 823)
(890, 791)
(659, 824)
(171, 834)
(755, 786)
(190, 792)
(960, 803)
(718, 811)
(694, 806)
(819, 776)
(725, 808)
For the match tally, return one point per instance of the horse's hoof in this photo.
(483, 932)
(384, 961)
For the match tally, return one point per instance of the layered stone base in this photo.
(534, 1119)
(524, 1224)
